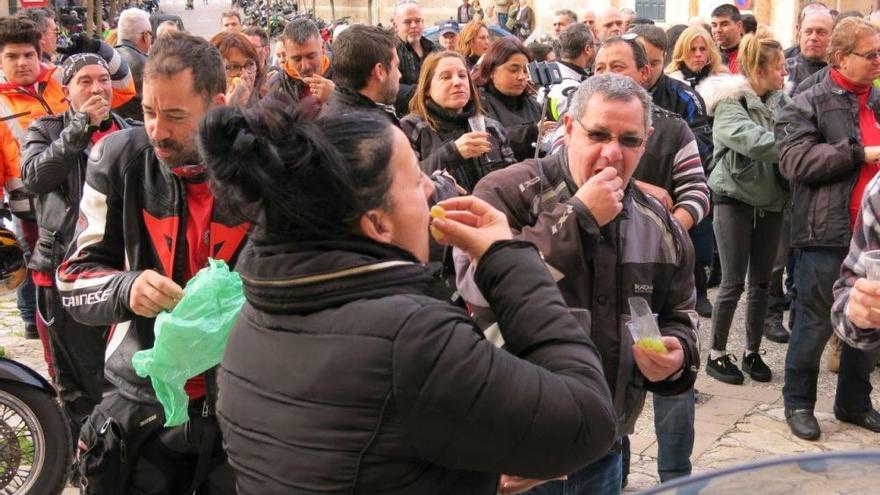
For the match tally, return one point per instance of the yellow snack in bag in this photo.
(655, 345)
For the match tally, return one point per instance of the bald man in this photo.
(609, 23)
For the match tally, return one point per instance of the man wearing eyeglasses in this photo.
(48, 29)
(607, 241)
(829, 150)
(135, 36)
(412, 49)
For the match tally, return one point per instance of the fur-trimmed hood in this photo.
(722, 86)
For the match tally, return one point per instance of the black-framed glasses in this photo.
(234, 69)
(602, 137)
(871, 56)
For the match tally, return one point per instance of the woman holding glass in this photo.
(446, 125)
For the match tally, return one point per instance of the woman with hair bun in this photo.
(748, 195)
(343, 373)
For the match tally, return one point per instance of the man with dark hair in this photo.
(365, 66)
(307, 70)
(680, 99)
(670, 171)
(48, 28)
(260, 39)
(576, 54)
(750, 24)
(564, 18)
(727, 30)
(31, 89)
(231, 21)
(147, 224)
(53, 168)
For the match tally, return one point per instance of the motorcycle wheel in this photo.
(35, 444)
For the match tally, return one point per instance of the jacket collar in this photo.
(129, 44)
(309, 276)
(46, 72)
(352, 98)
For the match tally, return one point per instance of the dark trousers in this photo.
(168, 462)
(747, 243)
(602, 477)
(817, 270)
(77, 358)
(703, 239)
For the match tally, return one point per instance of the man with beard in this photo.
(412, 49)
(53, 168)
(366, 69)
(147, 224)
(307, 70)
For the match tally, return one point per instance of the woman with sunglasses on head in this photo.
(343, 373)
(438, 124)
(244, 75)
(749, 195)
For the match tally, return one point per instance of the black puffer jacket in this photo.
(518, 114)
(437, 151)
(344, 375)
(53, 169)
(821, 152)
(344, 100)
(136, 60)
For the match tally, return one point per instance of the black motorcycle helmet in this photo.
(13, 268)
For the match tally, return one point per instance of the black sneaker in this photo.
(30, 331)
(704, 307)
(755, 367)
(723, 370)
(774, 329)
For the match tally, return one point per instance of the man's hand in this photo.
(658, 367)
(473, 144)
(239, 92)
(684, 218)
(97, 108)
(863, 309)
(872, 154)
(514, 484)
(471, 225)
(320, 87)
(152, 293)
(658, 193)
(603, 195)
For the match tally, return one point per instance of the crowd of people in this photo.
(486, 346)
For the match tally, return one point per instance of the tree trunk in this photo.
(333, 10)
(112, 12)
(90, 17)
(370, 12)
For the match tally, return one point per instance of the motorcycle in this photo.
(35, 443)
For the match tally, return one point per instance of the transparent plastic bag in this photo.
(643, 326)
(192, 337)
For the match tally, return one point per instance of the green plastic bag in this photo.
(192, 337)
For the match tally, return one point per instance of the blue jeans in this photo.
(817, 270)
(674, 427)
(26, 295)
(602, 477)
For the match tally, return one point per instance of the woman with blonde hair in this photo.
(438, 124)
(695, 57)
(748, 195)
(473, 42)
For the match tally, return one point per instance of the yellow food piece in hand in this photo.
(236, 80)
(655, 345)
(437, 211)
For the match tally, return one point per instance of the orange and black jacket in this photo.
(132, 218)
